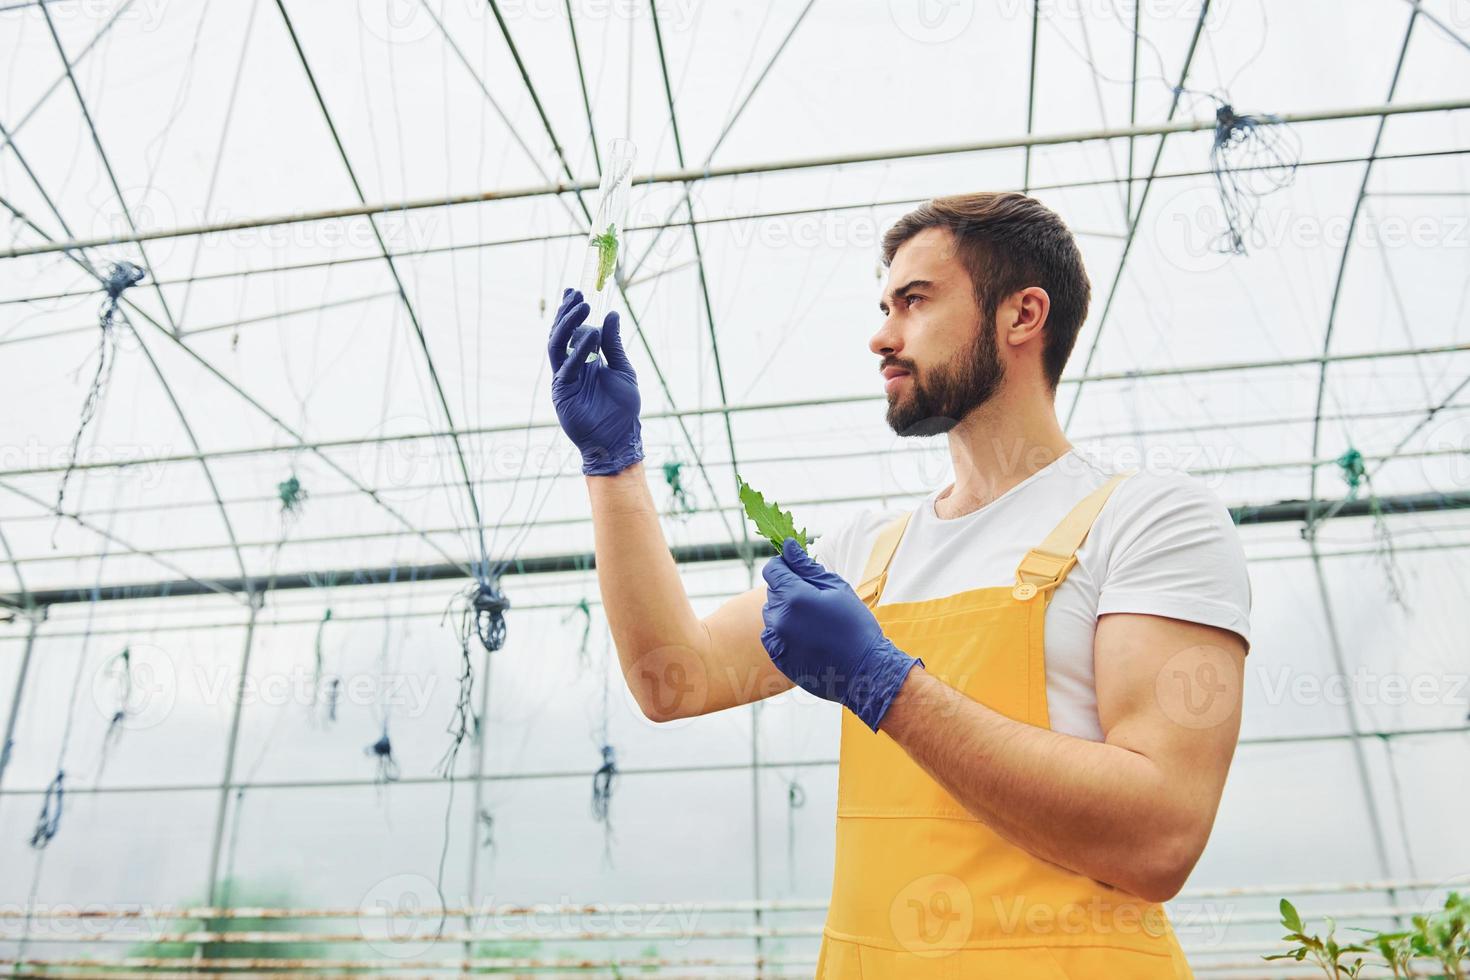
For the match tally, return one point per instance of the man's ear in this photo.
(1026, 313)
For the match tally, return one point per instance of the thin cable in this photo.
(258, 406)
(1142, 203)
(709, 313)
(106, 164)
(720, 139)
(1341, 278)
(219, 153)
(483, 559)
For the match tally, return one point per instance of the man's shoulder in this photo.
(844, 546)
(1158, 491)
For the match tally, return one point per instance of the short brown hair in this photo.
(1008, 241)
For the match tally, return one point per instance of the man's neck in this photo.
(996, 447)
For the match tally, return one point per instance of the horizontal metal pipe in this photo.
(584, 935)
(1285, 511)
(339, 616)
(1132, 434)
(722, 907)
(725, 219)
(777, 767)
(707, 173)
(1223, 367)
(455, 530)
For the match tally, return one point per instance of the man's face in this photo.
(932, 330)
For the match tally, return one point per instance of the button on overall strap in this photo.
(1046, 565)
(870, 586)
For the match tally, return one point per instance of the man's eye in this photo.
(909, 301)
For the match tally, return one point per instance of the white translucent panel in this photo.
(158, 716)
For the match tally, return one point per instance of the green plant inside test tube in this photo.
(607, 253)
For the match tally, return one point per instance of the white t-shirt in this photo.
(1164, 545)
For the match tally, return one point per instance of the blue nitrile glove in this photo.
(821, 635)
(597, 402)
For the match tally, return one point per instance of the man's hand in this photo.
(821, 635)
(597, 403)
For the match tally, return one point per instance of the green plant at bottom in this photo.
(1325, 952)
(1442, 936)
(1445, 935)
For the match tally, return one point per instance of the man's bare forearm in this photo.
(1097, 809)
(652, 621)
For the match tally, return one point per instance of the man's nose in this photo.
(886, 340)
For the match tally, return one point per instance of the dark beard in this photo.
(941, 399)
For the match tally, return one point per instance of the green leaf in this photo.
(1289, 916)
(774, 524)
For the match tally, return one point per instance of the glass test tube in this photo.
(606, 241)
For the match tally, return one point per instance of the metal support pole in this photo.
(15, 699)
(257, 599)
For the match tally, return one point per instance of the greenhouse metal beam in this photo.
(222, 806)
(83, 262)
(1134, 433)
(1136, 218)
(413, 317)
(16, 697)
(1309, 532)
(622, 287)
(737, 170)
(668, 221)
(1347, 247)
(709, 309)
(360, 536)
(1281, 512)
(220, 376)
(550, 424)
(56, 82)
(722, 219)
(122, 200)
(515, 134)
(106, 535)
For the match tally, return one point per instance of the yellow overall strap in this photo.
(1045, 566)
(876, 573)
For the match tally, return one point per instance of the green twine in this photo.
(316, 677)
(1353, 470)
(585, 609)
(1355, 475)
(683, 501)
(292, 495)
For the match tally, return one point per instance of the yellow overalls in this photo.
(922, 889)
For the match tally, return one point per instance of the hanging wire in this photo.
(334, 697)
(120, 669)
(1251, 156)
(606, 774)
(584, 609)
(602, 783)
(48, 822)
(1355, 475)
(121, 276)
(317, 695)
(482, 610)
(487, 828)
(382, 751)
